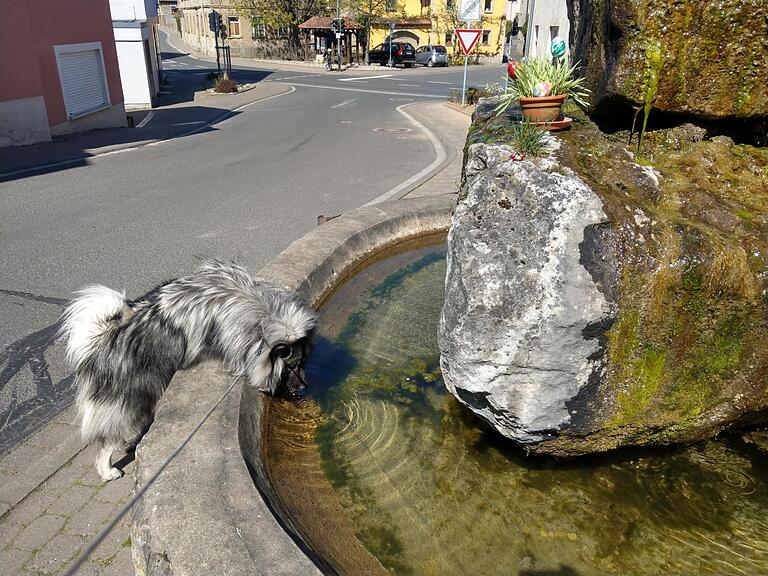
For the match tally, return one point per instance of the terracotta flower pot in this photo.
(542, 108)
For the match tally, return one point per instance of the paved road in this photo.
(243, 190)
(418, 82)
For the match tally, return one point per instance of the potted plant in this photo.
(541, 86)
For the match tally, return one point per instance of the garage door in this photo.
(83, 82)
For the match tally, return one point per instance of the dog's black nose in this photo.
(295, 382)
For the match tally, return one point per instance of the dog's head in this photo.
(278, 358)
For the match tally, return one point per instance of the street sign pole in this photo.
(464, 85)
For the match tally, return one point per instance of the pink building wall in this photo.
(29, 29)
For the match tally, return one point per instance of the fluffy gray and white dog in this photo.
(125, 352)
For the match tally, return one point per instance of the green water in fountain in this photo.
(433, 491)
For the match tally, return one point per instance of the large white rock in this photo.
(520, 333)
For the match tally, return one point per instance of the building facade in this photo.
(245, 37)
(545, 19)
(415, 21)
(134, 24)
(60, 70)
(435, 21)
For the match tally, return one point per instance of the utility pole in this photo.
(338, 33)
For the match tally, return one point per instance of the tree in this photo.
(369, 11)
(283, 13)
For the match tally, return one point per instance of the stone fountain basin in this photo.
(211, 511)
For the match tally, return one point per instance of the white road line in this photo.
(147, 118)
(437, 82)
(182, 63)
(409, 85)
(221, 118)
(358, 78)
(189, 123)
(342, 104)
(440, 157)
(199, 66)
(345, 89)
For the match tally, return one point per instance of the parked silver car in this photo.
(432, 55)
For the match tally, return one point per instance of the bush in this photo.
(474, 94)
(225, 86)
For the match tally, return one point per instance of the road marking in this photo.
(342, 104)
(292, 77)
(182, 63)
(199, 66)
(409, 85)
(188, 123)
(147, 118)
(345, 89)
(440, 157)
(358, 78)
(437, 82)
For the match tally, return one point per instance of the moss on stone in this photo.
(691, 325)
(715, 61)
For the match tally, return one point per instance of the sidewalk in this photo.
(52, 503)
(450, 126)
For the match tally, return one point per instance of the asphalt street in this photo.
(242, 189)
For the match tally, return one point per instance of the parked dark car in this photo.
(432, 55)
(402, 53)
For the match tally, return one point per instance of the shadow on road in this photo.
(175, 116)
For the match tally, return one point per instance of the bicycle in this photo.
(328, 60)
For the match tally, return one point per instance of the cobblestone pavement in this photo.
(52, 504)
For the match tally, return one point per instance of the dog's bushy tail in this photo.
(87, 317)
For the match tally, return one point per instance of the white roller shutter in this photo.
(83, 81)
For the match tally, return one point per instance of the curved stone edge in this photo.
(204, 515)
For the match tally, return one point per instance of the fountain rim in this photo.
(213, 509)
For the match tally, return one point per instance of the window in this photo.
(449, 38)
(234, 25)
(259, 28)
(488, 6)
(486, 37)
(83, 79)
(283, 32)
(554, 31)
(391, 5)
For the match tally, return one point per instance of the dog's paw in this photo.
(112, 474)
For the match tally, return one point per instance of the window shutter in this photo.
(82, 82)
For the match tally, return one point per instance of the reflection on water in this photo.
(431, 490)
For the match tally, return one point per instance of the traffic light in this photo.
(214, 19)
(223, 30)
(337, 25)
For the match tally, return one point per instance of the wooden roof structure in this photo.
(324, 23)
